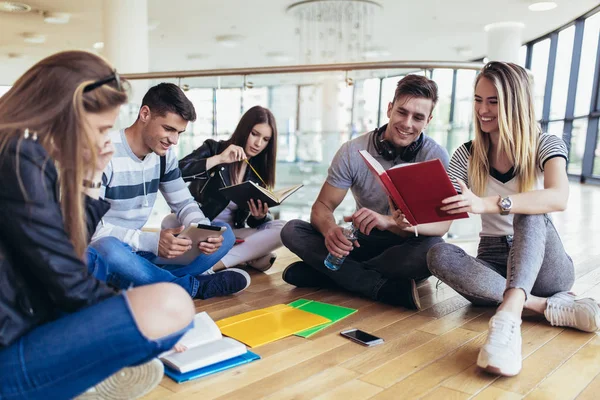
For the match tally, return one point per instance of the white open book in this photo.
(205, 346)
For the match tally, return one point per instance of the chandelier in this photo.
(334, 31)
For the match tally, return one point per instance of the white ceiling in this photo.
(410, 30)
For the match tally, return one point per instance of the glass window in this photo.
(588, 64)
(308, 138)
(345, 110)
(229, 106)
(577, 145)
(462, 127)
(388, 88)
(539, 68)
(561, 73)
(596, 171)
(522, 55)
(556, 128)
(439, 125)
(255, 97)
(201, 129)
(366, 100)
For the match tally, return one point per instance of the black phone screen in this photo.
(361, 336)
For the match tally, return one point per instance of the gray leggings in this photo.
(534, 260)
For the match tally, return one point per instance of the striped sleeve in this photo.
(178, 196)
(459, 166)
(551, 146)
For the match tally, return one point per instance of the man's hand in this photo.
(211, 245)
(170, 246)
(337, 243)
(365, 220)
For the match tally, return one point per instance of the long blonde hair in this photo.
(519, 131)
(49, 100)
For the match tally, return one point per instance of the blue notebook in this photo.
(211, 369)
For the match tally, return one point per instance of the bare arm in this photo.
(552, 198)
(321, 215)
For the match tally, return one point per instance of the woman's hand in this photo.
(398, 217)
(104, 153)
(232, 154)
(259, 209)
(465, 202)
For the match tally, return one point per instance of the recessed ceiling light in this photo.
(99, 45)
(56, 17)
(229, 40)
(542, 6)
(375, 52)
(197, 56)
(15, 55)
(34, 38)
(14, 7)
(506, 24)
(279, 56)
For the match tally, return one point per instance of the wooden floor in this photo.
(428, 354)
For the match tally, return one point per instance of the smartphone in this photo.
(362, 337)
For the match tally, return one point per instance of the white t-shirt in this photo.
(507, 184)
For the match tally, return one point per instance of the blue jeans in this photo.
(65, 357)
(97, 267)
(127, 268)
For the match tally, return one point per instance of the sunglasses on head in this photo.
(114, 77)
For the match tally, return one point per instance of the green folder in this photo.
(329, 311)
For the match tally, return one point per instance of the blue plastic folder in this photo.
(211, 369)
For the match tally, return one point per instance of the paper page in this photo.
(204, 355)
(205, 330)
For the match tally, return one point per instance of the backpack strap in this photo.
(163, 167)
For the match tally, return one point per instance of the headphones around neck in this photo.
(387, 150)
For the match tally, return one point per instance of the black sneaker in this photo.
(302, 275)
(401, 292)
(222, 283)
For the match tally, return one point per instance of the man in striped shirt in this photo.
(143, 164)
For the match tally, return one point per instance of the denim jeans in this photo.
(97, 267)
(533, 260)
(382, 256)
(127, 268)
(63, 358)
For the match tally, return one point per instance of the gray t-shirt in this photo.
(349, 171)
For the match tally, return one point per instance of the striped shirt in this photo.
(131, 185)
(507, 184)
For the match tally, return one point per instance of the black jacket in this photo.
(40, 274)
(206, 184)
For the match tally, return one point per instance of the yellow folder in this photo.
(266, 325)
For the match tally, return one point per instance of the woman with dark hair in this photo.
(63, 331)
(249, 154)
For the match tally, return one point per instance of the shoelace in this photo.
(561, 315)
(501, 331)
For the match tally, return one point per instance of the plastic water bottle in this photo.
(334, 263)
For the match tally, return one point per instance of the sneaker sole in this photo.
(241, 271)
(484, 365)
(128, 383)
(415, 294)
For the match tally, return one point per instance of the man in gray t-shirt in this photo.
(387, 257)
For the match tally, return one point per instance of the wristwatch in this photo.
(505, 204)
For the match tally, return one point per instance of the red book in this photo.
(417, 189)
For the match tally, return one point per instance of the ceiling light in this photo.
(464, 51)
(375, 52)
(153, 24)
(197, 56)
(229, 40)
(14, 7)
(99, 45)
(542, 6)
(56, 17)
(15, 55)
(279, 56)
(34, 38)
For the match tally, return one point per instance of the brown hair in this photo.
(417, 86)
(49, 100)
(265, 162)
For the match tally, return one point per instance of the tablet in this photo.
(197, 233)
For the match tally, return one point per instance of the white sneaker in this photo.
(563, 309)
(128, 383)
(263, 263)
(501, 353)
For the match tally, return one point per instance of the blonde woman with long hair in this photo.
(61, 330)
(513, 176)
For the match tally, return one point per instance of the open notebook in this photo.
(205, 347)
(247, 190)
